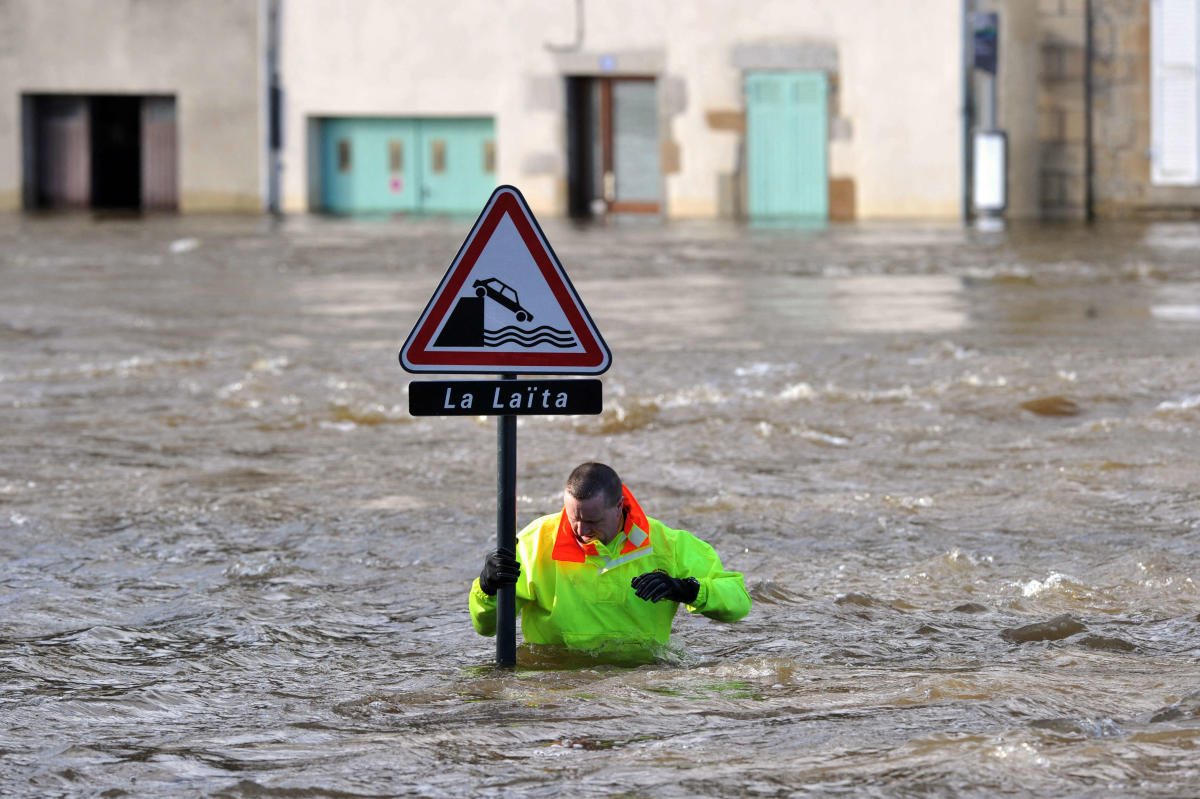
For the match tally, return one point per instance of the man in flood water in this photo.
(601, 575)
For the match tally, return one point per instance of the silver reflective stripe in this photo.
(609, 565)
(637, 536)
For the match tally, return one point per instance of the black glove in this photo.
(656, 585)
(500, 568)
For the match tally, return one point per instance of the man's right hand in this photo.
(500, 568)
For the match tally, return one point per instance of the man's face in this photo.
(592, 518)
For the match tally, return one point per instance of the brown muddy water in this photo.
(958, 469)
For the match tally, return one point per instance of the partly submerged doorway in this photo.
(99, 151)
(612, 146)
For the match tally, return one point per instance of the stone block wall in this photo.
(1121, 107)
(1118, 110)
(1121, 117)
(1062, 109)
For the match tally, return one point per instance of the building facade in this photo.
(760, 109)
(842, 109)
(827, 109)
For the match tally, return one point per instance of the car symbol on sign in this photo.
(504, 294)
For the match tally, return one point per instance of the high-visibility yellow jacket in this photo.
(581, 598)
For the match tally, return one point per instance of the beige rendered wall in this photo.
(208, 53)
(10, 114)
(902, 88)
(895, 132)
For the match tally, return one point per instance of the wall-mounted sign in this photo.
(985, 41)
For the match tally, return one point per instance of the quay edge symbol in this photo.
(505, 305)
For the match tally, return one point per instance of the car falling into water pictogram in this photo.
(502, 293)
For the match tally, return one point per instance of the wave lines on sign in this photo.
(511, 334)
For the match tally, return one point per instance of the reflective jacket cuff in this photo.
(701, 598)
(487, 600)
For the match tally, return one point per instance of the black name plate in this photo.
(504, 397)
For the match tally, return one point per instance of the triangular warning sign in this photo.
(505, 305)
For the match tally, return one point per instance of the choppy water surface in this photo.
(958, 469)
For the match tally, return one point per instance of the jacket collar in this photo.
(637, 527)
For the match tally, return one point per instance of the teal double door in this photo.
(406, 165)
(787, 125)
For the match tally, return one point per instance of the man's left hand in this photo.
(656, 585)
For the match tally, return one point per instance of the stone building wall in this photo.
(1121, 107)
(1056, 156)
(1121, 115)
(1062, 109)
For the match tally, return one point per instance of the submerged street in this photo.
(957, 468)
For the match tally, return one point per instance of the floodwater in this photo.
(958, 469)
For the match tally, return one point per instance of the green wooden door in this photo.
(385, 165)
(786, 132)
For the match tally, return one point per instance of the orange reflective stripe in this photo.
(634, 518)
(567, 548)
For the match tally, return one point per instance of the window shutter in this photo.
(1175, 92)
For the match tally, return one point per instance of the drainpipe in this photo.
(1089, 54)
(968, 104)
(274, 109)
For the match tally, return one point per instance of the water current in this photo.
(958, 469)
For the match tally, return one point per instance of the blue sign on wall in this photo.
(985, 41)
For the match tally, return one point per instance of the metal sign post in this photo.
(506, 534)
(505, 305)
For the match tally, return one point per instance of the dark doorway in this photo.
(99, 151)
(581, 148)
(116, 152)
(612, 146)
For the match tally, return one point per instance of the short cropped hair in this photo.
(589, 479)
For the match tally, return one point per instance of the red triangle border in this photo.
(416, 356)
